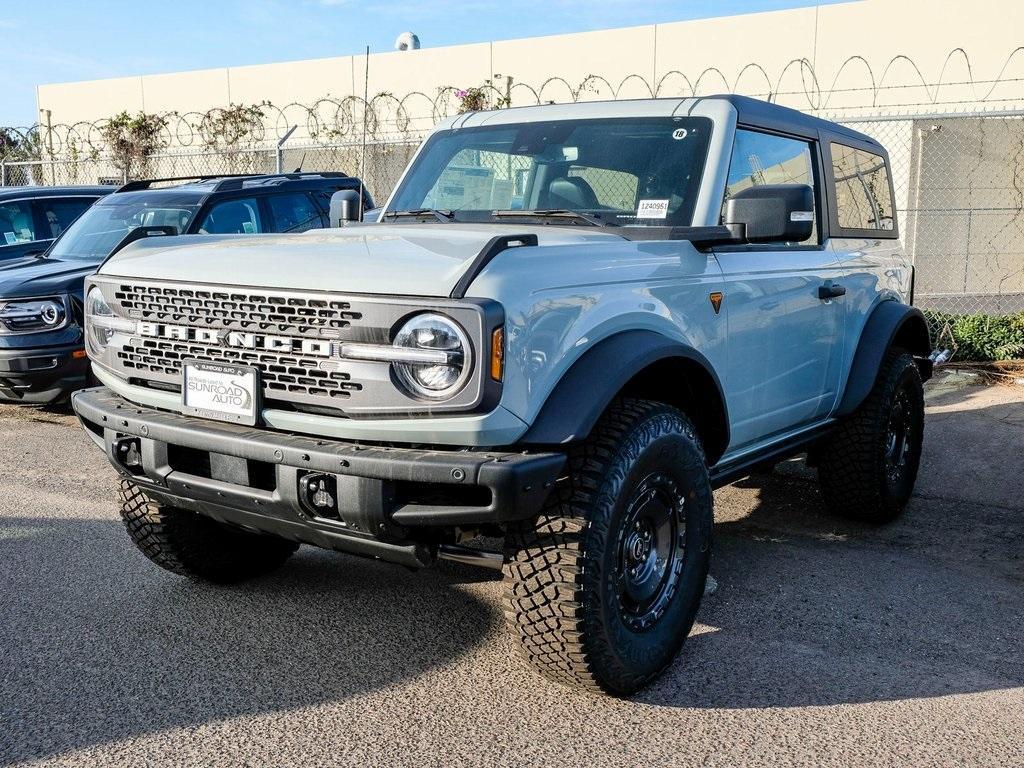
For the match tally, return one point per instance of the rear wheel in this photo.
(602, 590)
(192, 545)
(867, 469)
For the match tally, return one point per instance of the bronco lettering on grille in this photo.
(237, 339)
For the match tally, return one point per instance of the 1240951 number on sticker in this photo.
(652, 209)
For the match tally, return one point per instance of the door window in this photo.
(863, 196)
(761, 158)
(233, 217)
(16, 223)
(294, 212)
(58, 214)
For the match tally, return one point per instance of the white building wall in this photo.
(852, 58)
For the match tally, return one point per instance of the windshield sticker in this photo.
(10, 237)
(652, 209)
(680, 133)
(248, 228)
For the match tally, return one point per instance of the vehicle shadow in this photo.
(814, 610)
(99, 646)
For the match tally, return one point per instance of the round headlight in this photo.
(442, 374)
(51, 313)
(97, 336)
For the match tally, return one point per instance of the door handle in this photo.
(830, 291)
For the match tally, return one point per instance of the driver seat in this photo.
(571, 193)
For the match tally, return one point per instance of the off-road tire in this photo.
(192, 545)
(562, 601)
(857, 478)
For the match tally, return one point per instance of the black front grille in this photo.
(281, 374)
(299, 315)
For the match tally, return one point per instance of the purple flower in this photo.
(461, 94)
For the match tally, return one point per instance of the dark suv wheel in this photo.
(602, 590)
(868, 467)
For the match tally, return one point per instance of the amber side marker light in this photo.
(78, 354)
(498, 354)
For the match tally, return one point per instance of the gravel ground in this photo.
(826, 643)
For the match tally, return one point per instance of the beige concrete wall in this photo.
(848, 59)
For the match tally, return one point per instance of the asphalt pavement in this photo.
(826, 642)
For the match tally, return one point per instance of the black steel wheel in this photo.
(651, 545)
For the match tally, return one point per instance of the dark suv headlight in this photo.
(33, 315)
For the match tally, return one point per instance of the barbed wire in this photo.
(332, 120)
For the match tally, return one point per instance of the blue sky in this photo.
(48, 41)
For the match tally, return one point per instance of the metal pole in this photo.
(280, 148)
(362, 150)
(3, 173)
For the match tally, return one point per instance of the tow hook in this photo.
(318, 493)
(128, 454)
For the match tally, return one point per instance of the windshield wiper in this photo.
(557, 213)
(445, 216)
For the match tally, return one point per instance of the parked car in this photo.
(689, 290)
(42, 357)
(31, 217)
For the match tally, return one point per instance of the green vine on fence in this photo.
(20, 146)
(480, 98)
(133, 139)
(225, 129)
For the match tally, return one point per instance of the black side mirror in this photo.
(346, 207)
(771, 213)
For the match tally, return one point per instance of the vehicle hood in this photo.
(33, 276)
(396, 259)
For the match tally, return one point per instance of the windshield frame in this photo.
(139, 201)
(684, 214)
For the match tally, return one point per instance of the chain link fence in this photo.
(959, 184)
(378, 164)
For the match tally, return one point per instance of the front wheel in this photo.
(602, 589)
(192, 545)
(868, 467)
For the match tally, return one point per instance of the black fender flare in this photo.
(587, 389)
(890, 323)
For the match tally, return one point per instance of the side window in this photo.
(58, 214)
(294, 212)
(760, 158)
(240, 216)
(16, 223)
(863, 194)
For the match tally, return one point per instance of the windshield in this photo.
(103, 226)
(620, 171)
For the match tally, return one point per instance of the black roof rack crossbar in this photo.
(237, 182)
(134, 186)
(228, 181)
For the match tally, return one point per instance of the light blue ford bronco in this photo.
(567, 326)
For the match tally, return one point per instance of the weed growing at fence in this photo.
(978, 338)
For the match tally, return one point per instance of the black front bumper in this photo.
(42, 375)
(388, 502)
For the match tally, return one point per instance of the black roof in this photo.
(228, 182)
(764, 114)
(20, 193)
(194, 188)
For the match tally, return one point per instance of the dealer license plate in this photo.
(221, 391)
